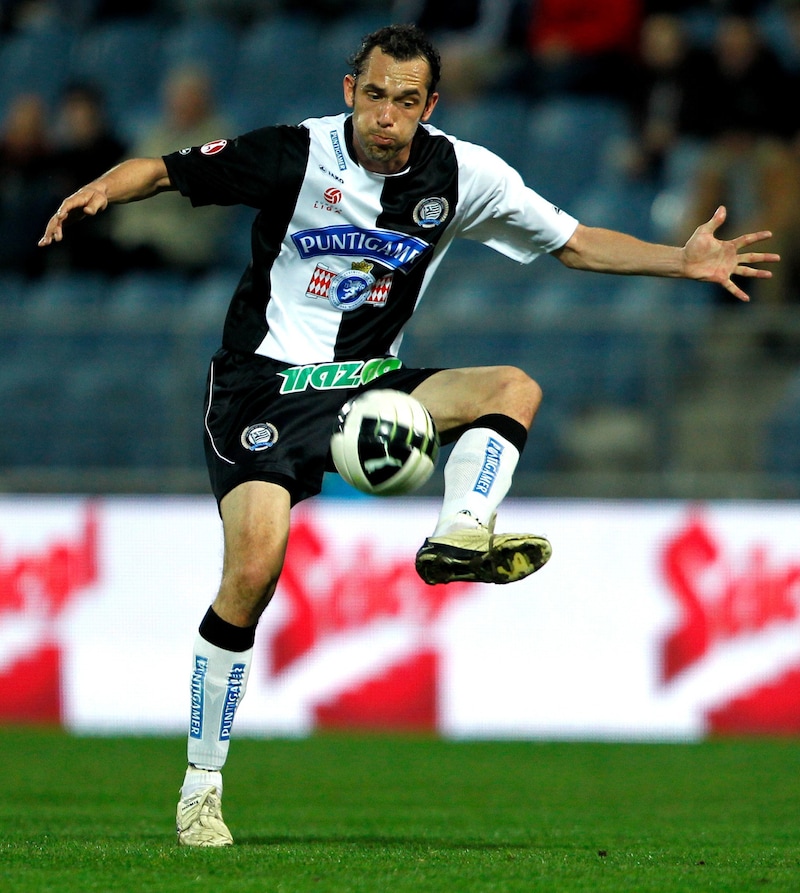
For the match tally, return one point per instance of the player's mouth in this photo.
(380, 139)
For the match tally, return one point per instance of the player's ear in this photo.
(430, 105)
(349, 86)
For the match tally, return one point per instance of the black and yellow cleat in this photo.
(477, 555)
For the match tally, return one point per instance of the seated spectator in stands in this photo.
(748, 162)
(104, 10)
(579, 47)
(663, 110)
(85, 143)
(24, 15)
(168, 234)
(26, 188)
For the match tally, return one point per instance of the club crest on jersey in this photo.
(351, 288)
(431, 212)
(257, 438)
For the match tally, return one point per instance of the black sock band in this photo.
(513, 431)
(219, 632)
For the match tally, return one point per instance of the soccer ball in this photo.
(384, 443)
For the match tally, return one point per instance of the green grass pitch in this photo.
(374, 813)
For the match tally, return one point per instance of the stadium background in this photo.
(665, 422)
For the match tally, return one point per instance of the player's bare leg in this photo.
(493, 407)
(256, 525)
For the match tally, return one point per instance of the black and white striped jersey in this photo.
(341, 256)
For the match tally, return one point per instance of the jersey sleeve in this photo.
(501, 211)
(245, 170)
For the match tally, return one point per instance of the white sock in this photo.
(219, 681)
(477, 477)
(195, 779)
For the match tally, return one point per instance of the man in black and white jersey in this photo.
(355, 213)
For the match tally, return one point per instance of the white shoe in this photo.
(199, 820)
(477, 555)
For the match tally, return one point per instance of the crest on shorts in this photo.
(257, 438)
(431, 211)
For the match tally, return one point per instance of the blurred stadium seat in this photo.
(275, 68)
(124, 58)
(781, 442)
(34, 61)
(498, 123)
(569, 144)
(66, 299)
(210, 43)
(142, 295)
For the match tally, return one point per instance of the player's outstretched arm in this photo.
(129, 181)
(704, 257)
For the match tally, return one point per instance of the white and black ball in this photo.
(384, 443)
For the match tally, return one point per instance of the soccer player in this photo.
(355, 213)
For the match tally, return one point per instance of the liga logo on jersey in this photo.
(351, 289)
(213, 147)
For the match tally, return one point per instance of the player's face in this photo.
(389, 100)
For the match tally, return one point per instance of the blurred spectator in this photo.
(168, 233)
(663, 108)
(579, 47)
(26, 190)
(23, 15)
(472, 37)
(84, 144)
(747, 163)
(238, 12)
(104, 10)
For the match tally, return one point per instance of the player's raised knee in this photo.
(515, 387)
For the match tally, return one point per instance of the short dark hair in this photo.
(401, 42)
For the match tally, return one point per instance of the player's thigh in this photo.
(255, 520)
(457, 397)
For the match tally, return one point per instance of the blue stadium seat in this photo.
(569, 143)
(210, 43)
(781, 436)
(208, 297)
(34, 61)
(33, 365)
(498, 123)
(66, 297)
(141, 294)
(274, 68)
(13, 290)
(119, 399)
(124, 58)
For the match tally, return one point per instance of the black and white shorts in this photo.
(268, 421)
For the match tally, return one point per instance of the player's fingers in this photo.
(737, 292)
(716, 221)
(749, 238)
(752, 272)
(52, 232)
(755, 257)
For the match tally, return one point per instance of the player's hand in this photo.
(86, 202)
(713, 260)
